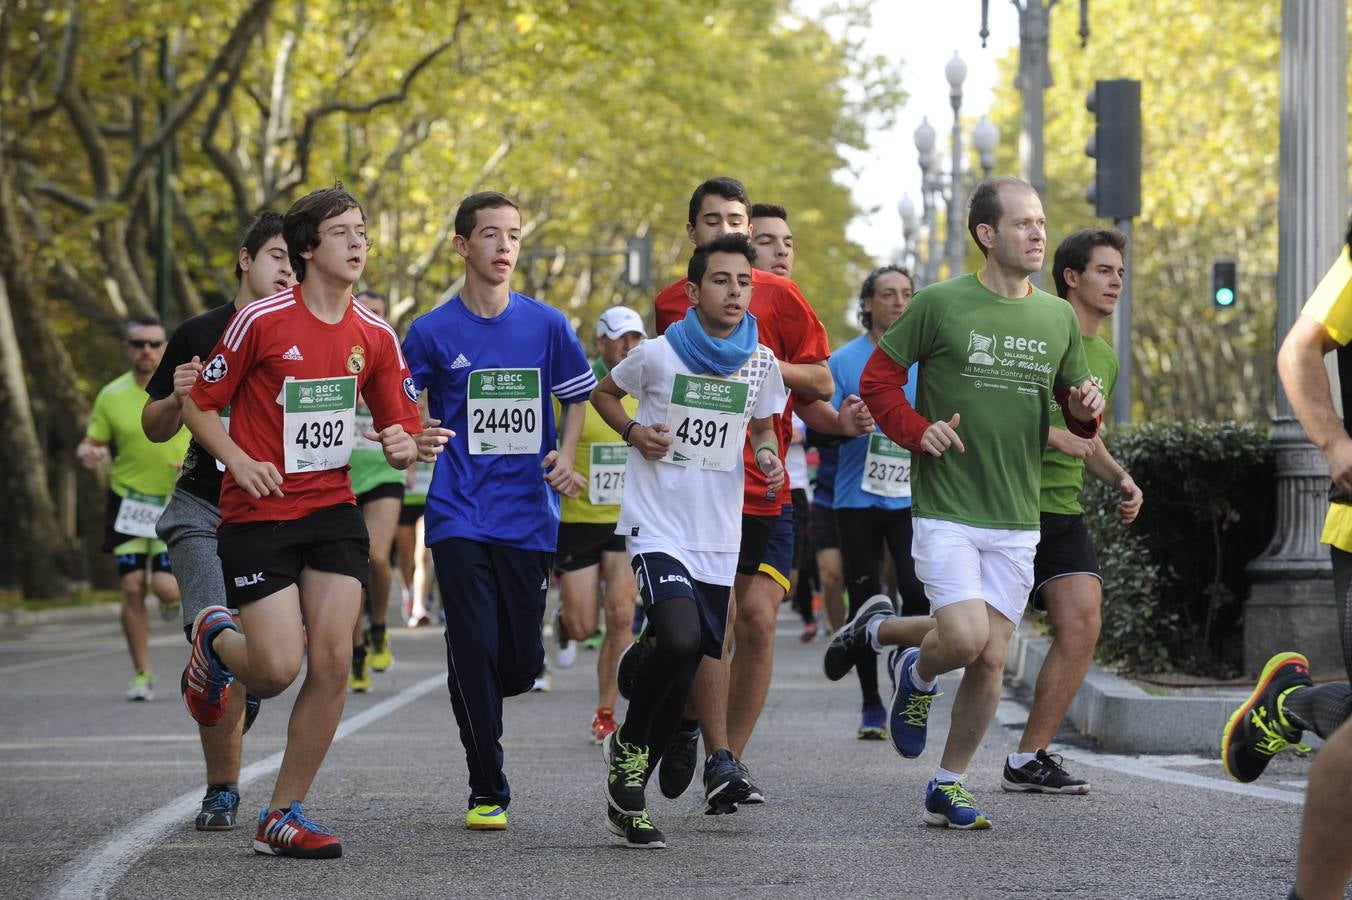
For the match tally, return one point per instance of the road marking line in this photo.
(162, 641)
(95, 875)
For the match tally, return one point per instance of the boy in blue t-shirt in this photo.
(488, 359)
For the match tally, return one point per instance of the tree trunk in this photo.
(34, 540)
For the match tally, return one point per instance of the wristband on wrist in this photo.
(773, 448)
(629, 426)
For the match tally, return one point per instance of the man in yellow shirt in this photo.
(589, 549)
(1285, 703)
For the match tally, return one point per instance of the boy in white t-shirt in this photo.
(698, 387)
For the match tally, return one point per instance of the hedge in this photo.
(1173, 582)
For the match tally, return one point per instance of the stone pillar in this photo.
(1291, 606)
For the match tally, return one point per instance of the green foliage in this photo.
(1209, 76)
(1174, 581)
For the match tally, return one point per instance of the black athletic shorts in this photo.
(767, 546)
(823, 525)
(381, 491)
(262, 558)
(661, 577)
(136, 562)
(410, 513)
(582, 543)
(1064, 548)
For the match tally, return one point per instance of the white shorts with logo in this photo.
(959, 562)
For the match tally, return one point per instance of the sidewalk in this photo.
(1124, 718)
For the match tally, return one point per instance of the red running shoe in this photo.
(285, 832)
(205, 683)
(603, 725)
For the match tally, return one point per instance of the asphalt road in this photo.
(97, 797)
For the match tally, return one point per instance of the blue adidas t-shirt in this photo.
(495, 497)
(847, 366)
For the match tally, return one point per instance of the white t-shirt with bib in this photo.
(690, 510)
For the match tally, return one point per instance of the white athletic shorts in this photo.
(961, 562)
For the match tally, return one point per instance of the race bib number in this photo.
(504, 412)
(364, 423)
(707, 418)
(138, 513)
(605, 481)
(887, 469)
(318, 421)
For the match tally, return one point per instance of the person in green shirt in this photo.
(993, 351)
(139, 485)
(1088, 268)
(379, 487)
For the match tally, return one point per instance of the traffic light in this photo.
(1224, 281)
(638, 261)
(1116, 148)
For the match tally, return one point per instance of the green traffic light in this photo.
(1224, 297)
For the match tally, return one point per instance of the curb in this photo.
(1121, 716)
(61, 615)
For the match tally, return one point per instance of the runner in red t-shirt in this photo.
(728, 698)
(292, 543)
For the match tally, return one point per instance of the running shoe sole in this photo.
(1270, 671)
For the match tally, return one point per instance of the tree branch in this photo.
(228, 60)
(299, 169)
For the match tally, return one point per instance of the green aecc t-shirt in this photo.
(994, 361)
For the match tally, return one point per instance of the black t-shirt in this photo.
(194, 337)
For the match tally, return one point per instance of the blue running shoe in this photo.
(205, 681)
(908, 716)
(873, 723)
(950, 805)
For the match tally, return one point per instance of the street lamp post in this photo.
(951, 187)
(956, 72)
(910, 232)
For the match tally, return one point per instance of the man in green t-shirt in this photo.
(379, 488)
(1088, 268)
(139, 486)
(589, 549)
(993, 351)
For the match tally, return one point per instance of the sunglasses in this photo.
(141, 345)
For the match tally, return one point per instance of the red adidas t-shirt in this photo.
(787, 324)
(278, 339)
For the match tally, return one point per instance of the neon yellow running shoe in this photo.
(378, 654)
(1259, 730)
(359, 679)
(486, 817)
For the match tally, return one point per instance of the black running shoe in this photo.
(1044, 775)
(1259, 729)
(251, 704)
(630, 660)
(628, 772)
(219, 808)
(638, 832)
(754, 795)
(724, 784)
(676, 769)
(851, 643)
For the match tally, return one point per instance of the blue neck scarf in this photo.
(702, 352)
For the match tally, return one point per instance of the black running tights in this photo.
(663, 679)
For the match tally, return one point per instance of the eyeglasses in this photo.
(348, 237)
(141, 345)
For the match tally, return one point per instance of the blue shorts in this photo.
(661, 577)
(767, 546)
